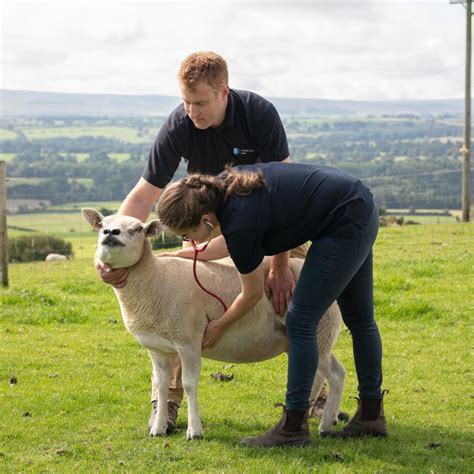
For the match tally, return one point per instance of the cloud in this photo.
(350, 49)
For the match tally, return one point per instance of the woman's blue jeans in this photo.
(338, 267)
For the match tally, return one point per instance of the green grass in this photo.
(81, 401)
(114, 205)
(7, 156)
(61, 224)
(14, 181)
(7, 134)
(125, 134)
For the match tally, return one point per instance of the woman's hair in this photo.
(203, 66)
(183, 203)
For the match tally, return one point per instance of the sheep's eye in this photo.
(138, 229)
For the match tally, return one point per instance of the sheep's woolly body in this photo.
(162, 297)
(166, 311)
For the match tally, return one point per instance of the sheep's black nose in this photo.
(113, 231)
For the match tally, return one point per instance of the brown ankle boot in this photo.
(369, 420)
(291, 430)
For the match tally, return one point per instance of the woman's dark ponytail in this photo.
(183, 203)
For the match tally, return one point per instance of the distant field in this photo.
(57, 224)
(7, 134)
(69, 225)
(13, 181)
(119, 156)
(79, 156)
(7, 156)
(429, 219)
(113, 205)
(125, 134)
(437, 216)
(114, 156)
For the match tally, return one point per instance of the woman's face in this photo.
(200, 233)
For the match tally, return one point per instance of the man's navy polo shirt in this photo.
(252, 132)
(299, 203)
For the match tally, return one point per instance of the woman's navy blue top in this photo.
(299, 203)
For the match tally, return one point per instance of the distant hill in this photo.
(34, 104)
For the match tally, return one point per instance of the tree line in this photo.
(407, 162)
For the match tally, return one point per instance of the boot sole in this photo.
(294, 444)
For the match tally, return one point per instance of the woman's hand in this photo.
(214, 331)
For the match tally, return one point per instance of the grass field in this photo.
(7, 134)
(81, 403)
(125, 134)
(7, 156)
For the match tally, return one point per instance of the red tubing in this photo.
(196, 252)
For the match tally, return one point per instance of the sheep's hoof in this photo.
(343, 416)
(191, 435)
(157, 432)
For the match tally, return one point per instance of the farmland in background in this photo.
(408, 160)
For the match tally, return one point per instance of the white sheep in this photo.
(55, 257)
(165, 310)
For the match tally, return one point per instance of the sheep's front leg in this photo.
(161, 378)
(191, 365)
(318, 384)
(335, 374)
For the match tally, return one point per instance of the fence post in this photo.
(3, 225)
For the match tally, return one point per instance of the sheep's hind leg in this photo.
(191, 365)
(161, 377)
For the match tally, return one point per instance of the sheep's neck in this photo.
(144, 273)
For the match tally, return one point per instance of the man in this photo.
(215, 126)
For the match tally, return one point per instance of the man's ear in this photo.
(92, 217)
(225, 91)
(152, 228)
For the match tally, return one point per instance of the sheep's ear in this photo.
(92, 217)
(152, 228)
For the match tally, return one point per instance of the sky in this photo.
(347, 50)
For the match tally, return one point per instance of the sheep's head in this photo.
(121, 238)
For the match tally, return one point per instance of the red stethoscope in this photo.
(197, 251)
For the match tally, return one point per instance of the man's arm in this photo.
(216, 250)
(140, 200)
(138, 203)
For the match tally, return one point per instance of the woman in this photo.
(270, 208)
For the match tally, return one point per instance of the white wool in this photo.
(165, 310)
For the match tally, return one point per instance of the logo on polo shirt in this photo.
(240, 151)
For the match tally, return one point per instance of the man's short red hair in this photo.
(203, 66)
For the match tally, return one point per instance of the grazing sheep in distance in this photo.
(164, 309)
(55, 257)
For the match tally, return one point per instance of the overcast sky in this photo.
(323, 49)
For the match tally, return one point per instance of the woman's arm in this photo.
(251, 294)
(216, 250)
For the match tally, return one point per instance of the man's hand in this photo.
(117, 278)
(279, 286)
(167, 254)
(213, 333)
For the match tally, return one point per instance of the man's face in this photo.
(205, 105)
